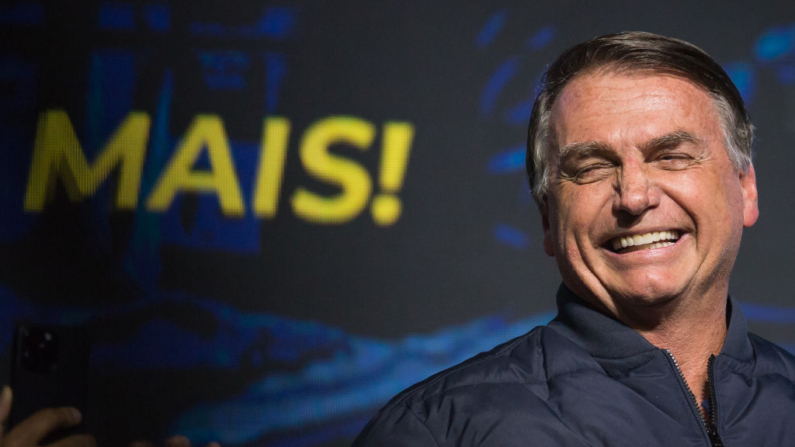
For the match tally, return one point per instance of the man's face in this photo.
(642, 157)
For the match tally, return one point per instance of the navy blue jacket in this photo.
(587, 380)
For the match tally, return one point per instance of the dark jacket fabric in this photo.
(587, 380)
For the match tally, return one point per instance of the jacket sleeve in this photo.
(395, 426)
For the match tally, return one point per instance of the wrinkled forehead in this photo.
(637, 105)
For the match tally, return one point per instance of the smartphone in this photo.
(49, 368)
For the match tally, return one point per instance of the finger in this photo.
(178, 441)
(213, 444)
(142, 443)
(76, 441)
(35, 428)
(6, 398)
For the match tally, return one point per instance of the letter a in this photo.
(205, 131)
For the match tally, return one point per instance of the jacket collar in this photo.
(606, 338)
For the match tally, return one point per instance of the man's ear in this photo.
(547, 233)
(750, 197)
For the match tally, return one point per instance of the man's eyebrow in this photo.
(671, 140)
(583, 149)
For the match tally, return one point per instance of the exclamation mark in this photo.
(396, 144)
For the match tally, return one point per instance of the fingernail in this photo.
(178, 441)
(76, 416)
(6, 395)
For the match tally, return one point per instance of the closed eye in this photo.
(674, 161)
(674, 156)
(593, 172)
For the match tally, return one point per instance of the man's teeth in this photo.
(657, 239)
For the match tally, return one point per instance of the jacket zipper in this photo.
(711, 427)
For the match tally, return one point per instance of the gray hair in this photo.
(635, 52)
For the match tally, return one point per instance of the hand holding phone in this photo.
(49, 376)
(33, 430)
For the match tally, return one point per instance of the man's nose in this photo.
(635, 190)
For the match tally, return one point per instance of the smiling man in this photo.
(639, 156)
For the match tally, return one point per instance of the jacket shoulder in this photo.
(518, 366)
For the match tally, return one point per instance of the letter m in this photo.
(57, 154)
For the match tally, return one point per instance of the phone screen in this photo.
(49, 368)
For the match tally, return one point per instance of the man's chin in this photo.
(646, 287)
(640, 307)
(637, 299)
(646, 298)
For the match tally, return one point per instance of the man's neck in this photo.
(692, 327)
(692, 337)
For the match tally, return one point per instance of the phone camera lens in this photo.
(39, 350)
